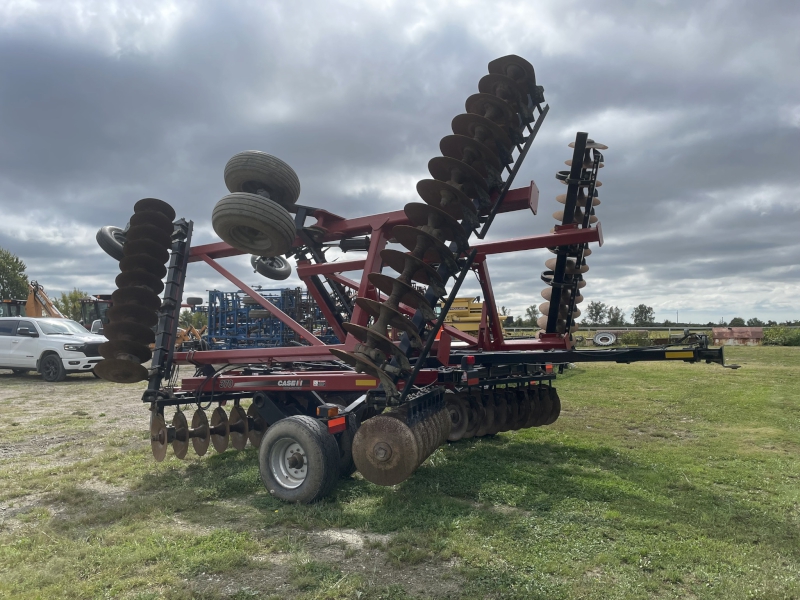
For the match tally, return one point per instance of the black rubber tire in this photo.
(252, 171)
(52, 369)
(194, 301)
(273, 267)
(604, 338)
(111, 239)
(254, 224)
(322, 457)
(19, 371)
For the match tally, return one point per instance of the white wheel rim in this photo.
(288, 463)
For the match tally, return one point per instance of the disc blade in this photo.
(180, 443)
(129, 331)
(515, 67)
(504, 87)
(257, 426)
(446, 226)
(125, 350)
(133, 312)
(469, 150)
(156, 219)
(591, 144)
(143, 262)
(393, 317)
(444, 196)
(139, 279)
(490, 106)
(416, 269)
(485, 131)
(120, 371)
(136, 295)
(220, 433)
(385, 450)
(405, 293)
(424, 246)
(200, 433)
(238, 427)
(155, 204)
(445, 168)
(375, 339)
(148, 247)
(158, 437)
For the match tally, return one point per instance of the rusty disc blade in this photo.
(238, 427)
(148, 247)
(156, 219)
(487, 401)
(385, 450)
(485, 131)
(154, 204)
(445, 197)
(393, 317)
(120, 371)
(524, 408)
(515, 67)
(257, 426)
(180, 443)
(446, 227)
(125, 350)
(406, 294)
(136, 295)
(535, 407)
(490, 106)
(149, 232)
(458, 412)
(562, 198)
(159, 438)
(591, 144)
(420, 271)
(140, 279)
(445, 168)
(143, 262)
(425, 246)
(504, 88)
(200, 432)
(375, 339)
(220, 432)
(475, 414)
(471, 151)
(129, 331)
(133, 312)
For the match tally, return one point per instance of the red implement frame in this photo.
(379, 227)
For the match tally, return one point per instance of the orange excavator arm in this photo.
(39, 305)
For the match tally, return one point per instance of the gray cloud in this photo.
(697, 101)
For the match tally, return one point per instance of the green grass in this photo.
(660, 480)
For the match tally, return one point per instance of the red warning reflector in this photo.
(337, 425)
(470, 360)
(548, 368)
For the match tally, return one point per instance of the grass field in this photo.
(659, 480)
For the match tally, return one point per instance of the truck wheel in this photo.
(298, 460)
(254, 224)
(274, 267)
(255, 172)
(52, 369)
(111, 240)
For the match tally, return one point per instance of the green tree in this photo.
(531, 316)
(198, 319)
(615, 316)
(755, 322)
(736, 322)
(596, 312)
(70, 304)
(13, 282)
(643, 315)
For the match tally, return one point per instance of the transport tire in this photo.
(253, 172)
(254, 224)
(604, 338)
(52, 369)
(298, 460)
(111, 239)
(273, 267)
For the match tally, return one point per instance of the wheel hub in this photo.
(287, 461)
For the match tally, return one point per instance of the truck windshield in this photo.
(60, 327)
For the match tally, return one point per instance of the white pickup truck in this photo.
(53, 347)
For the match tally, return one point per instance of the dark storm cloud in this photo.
(697, 101)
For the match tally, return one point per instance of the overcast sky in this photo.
(103, 103)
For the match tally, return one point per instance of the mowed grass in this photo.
(662, 480)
